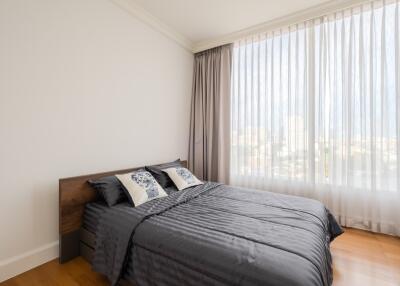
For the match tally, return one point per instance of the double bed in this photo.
(211, 234)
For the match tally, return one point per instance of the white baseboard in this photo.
(18, 264)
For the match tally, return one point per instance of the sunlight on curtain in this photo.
(316, 112)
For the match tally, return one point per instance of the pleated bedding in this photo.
(93, 212)
(215, 234)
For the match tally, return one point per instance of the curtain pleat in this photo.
(397, 74)
(209, 154)
(316, 112)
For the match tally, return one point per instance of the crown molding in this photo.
(291, 19)
(133, 8)
(138, 12)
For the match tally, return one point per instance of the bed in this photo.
(210, 234)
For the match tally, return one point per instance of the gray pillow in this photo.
(171, 190)
(110, 189)
(162, 178)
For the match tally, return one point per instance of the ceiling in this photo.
(202, 20)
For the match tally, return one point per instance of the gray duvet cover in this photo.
(217, 235)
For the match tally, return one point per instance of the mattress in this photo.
(94, 210)
(91, 215)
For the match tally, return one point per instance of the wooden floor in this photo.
(359, 258)
(365, 258)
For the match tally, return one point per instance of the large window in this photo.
(319, 103)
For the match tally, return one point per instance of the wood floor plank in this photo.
(359, 258)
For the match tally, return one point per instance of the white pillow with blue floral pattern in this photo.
(182, 177)
(141, 187)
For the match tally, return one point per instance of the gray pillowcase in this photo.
(110, 189)
(161, 177)
(171, 190)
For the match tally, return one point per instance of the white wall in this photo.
(84, 87)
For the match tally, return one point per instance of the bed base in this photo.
(86, 244)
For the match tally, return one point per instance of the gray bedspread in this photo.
(217, 235)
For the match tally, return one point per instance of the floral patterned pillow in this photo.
(182, 177)
(141, 187)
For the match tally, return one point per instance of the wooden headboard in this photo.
(74, 194)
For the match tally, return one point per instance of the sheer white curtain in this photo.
(315, 111)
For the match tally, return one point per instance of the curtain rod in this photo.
(306, 15)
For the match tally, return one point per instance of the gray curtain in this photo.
(210, 115)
